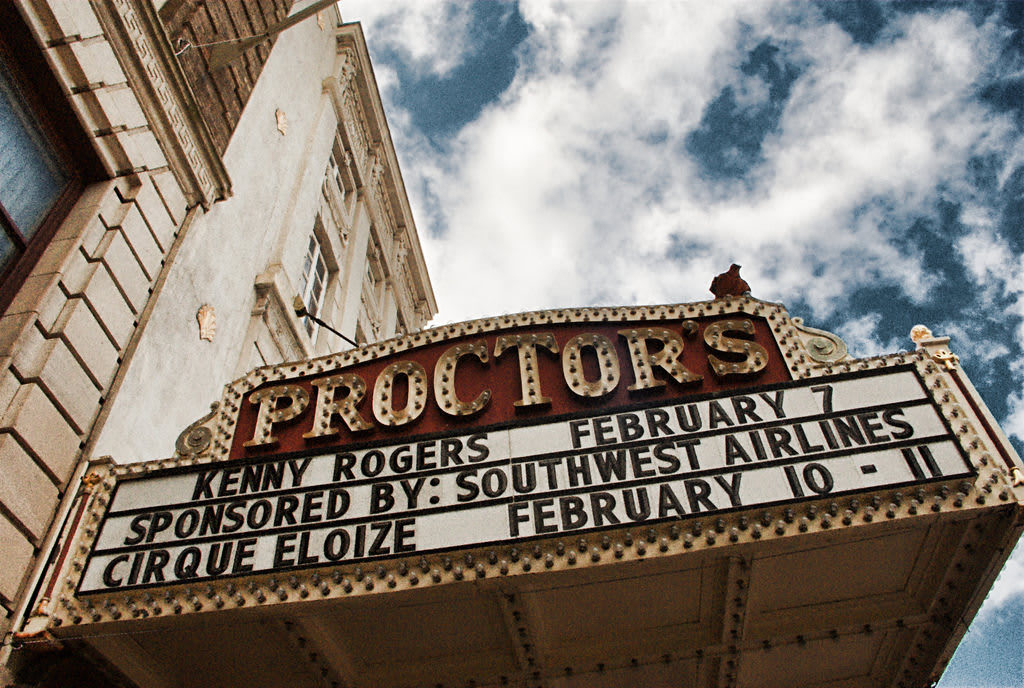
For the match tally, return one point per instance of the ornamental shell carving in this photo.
(207, 319)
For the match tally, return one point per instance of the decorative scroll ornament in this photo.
(822, 346)
(348, 68)
(207, 319)
(282, 121)
(196, 438)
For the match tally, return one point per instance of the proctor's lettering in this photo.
(482, 380)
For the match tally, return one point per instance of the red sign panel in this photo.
(509, 377)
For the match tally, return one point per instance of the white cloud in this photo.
(994, 268)
(1008, 588)
(431, 35)
(575, 185)
(861, 337)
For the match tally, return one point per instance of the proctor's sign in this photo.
(507, 377)
(707, 455)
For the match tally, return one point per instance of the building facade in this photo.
(203, 482)
(163, 222)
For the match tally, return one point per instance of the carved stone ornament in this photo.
(282, 121)
(196, 438)
(207, 319)
(822, 346)
(919, 333)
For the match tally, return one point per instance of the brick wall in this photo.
(222, 94)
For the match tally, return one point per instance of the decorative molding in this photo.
(274, 295)
(137, 37)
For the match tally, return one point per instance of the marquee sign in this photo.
(774, 444)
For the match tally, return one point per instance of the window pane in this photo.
(7, 252)
(305, 276)
(32, 178)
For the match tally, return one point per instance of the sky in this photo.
(863, 162)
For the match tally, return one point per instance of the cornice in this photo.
(357, 74)
(140, 42)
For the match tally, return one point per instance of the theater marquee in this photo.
(775, 444)
(550, 441)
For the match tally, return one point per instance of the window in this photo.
(334, 172)
(33, 175)
(313, 283)
(45, 157)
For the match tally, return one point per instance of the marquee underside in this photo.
(874, 605)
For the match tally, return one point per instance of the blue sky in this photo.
(863, 161)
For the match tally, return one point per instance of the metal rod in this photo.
(321, 323)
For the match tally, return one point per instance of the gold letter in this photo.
(383, 391)
(755, 355)
(529, 374)
(667, 359)
(327, 406)
(607, 364)
(270, 414)
(444, 380)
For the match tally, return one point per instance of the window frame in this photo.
(313, 258)
(43, 99)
